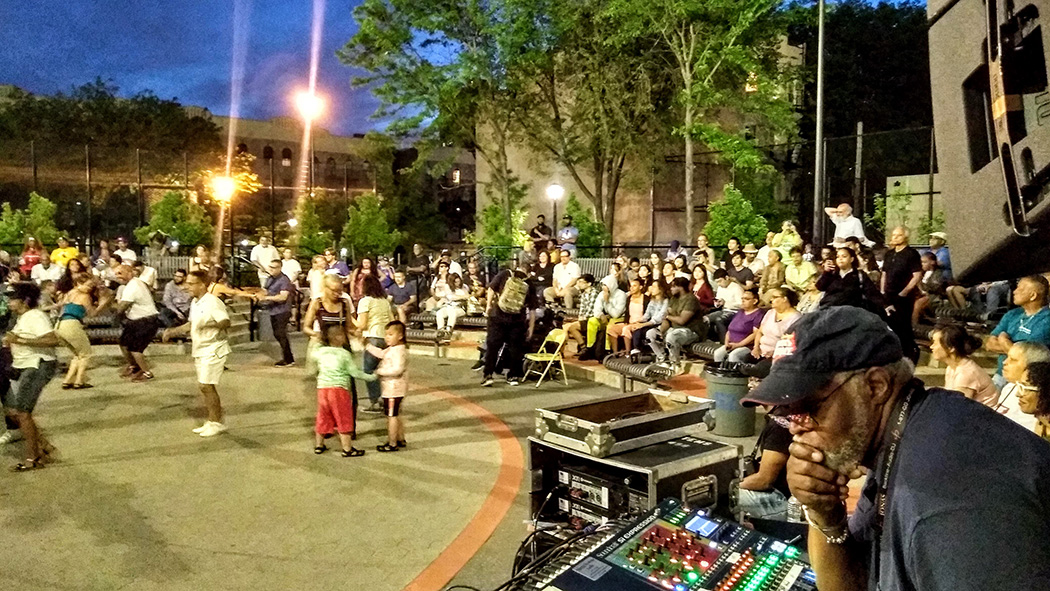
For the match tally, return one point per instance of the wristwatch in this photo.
(835, 534)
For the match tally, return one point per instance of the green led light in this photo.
(692, 577)
(791, 552)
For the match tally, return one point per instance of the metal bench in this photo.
(704, 350)
(428, 319)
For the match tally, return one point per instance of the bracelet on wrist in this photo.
(836, 534)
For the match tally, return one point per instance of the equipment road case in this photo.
(621, 423)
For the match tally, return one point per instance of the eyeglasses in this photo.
(805, 418)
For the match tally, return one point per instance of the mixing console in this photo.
(673, 548)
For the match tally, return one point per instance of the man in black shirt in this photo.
(901, 274)
(508, 329)
(764, 494)
(541, 233)
(957, 497)
(418, 269)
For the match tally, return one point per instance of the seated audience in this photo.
(587, 292)
(655, 312)
(798, 272)
(1015, 372)
(1034, 399)
(728, 298)
(402, 294)
(776, 321)
(764, 493)
(702, 289)
(637, 302)
(772, 277)
(739, 272)
(931, 288)
(682, 325)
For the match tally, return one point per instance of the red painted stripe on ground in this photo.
(478, 530)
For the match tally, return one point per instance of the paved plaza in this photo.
(137, 501)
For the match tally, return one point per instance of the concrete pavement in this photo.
(137, 501)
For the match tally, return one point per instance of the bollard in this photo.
(727, 388)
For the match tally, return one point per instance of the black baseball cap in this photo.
(820, 345)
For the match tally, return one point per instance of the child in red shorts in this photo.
(335, 369)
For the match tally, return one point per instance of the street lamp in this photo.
(555, 192)
(310, 107)
(223, 188)
(292, 222)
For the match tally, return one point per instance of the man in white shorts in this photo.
(207, 328)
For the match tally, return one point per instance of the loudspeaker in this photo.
(991, 112)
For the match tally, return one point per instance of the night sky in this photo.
(183, 50)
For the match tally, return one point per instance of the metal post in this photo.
(933, 156)
(142, 197)
(858, 167)
(273, 212)
(32, 161)
(186, 169)
(818, 174)
(87, 175)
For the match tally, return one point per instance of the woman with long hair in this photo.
(452, 305)
(541, 274)
(373, 314)
(356, 281)
(220, 285)
(655, 313)
(702, 289)
(637, 302)
(952, 346)
(31, 253)
(645, 274)
(66, 282)
(777, 320)
(1035, 400)
(78, 303)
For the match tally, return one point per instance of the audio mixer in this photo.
(673, 548)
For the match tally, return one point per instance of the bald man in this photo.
(846, 225)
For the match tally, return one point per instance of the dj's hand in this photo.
(822, 490)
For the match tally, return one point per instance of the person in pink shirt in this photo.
(393, 364)
(952, 346)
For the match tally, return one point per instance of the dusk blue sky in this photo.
(183, 50)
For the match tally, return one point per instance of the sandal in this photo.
(28, 465)
(83, 386)
(387, 447)
(402, 443)
(320, 449)
(353, 452)
(67, 386)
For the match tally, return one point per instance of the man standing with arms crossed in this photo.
(208, 326)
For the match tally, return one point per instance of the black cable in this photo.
(467, 587)
(547, 556)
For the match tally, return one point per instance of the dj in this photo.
(957, 497)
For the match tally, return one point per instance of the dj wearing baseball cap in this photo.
(957, 497)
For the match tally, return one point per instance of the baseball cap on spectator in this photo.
(820, 345)
(940, 235)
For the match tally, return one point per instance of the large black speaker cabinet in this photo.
(991, 112)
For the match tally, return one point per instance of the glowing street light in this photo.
(310, 107)
(555, 192)
(309, 104)
(293, 223)
(223, 187)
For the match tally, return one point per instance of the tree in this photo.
(733, 216)
(367, 230)
(593, 232)
(178, 217)
(309, 237)
(589, 104)
(725, 59)
(493, 230)
(36, 220)
(442, 73)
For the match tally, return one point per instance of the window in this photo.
(286, 157)
(455, 176)
(268, 153)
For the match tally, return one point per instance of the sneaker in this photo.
(201, 429)
(487, 382)
(212, 429)
(374, 409)
(635, 352)
(128, 371)
(284, 364)
(480, 363)
(513, 381)
(143, 376)
(11, 436)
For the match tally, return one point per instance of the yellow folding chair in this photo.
(555, 339)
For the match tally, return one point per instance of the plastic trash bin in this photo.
(727, 387)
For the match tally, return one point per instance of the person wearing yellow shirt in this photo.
(64, 253)
(799, 273)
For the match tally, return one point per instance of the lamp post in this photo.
(555, 192)
(310, 107)
(819, 147)
(223, 188)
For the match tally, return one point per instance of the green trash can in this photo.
(727, 387)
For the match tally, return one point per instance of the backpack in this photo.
(512, 298)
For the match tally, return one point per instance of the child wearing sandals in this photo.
(393, 363)
(335, 369)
